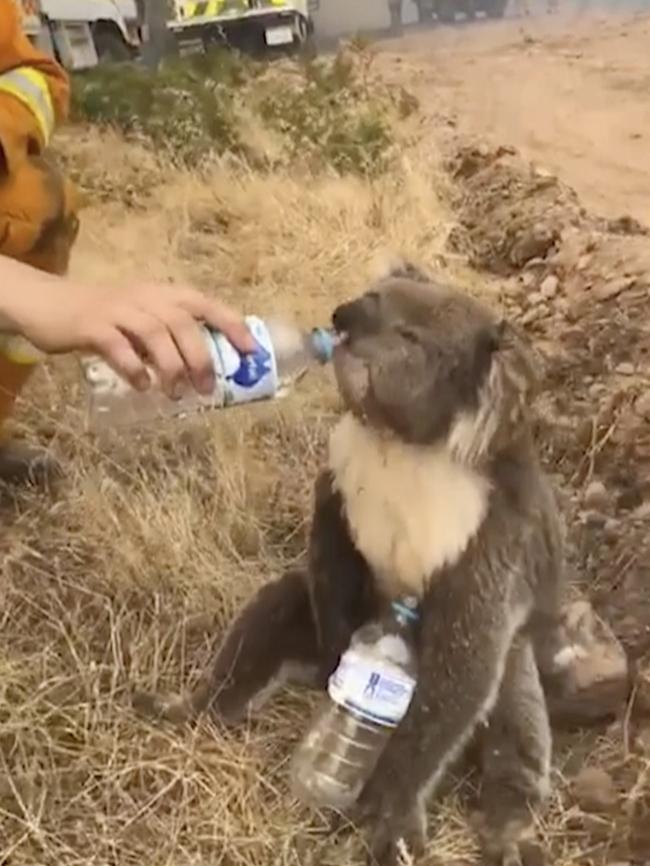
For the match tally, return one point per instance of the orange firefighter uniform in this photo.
(38, 206)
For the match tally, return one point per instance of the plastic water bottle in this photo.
(369, 694)
(283, 352)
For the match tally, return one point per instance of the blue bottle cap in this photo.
(323, 343)
(407, 607)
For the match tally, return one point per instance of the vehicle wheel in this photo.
(304, 44)
(308, 49)
(446, 11)
(495, 8)
(110, 46)
(469, 9)
(425, 11)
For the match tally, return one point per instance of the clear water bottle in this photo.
(283, 352)
(369, 694)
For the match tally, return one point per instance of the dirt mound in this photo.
(509, 212)
(580, 286)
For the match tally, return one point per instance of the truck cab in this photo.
(254, 26)
(83, 33)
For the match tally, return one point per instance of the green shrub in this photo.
(186, 108)
(325, 110)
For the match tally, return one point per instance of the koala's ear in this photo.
(393, 267)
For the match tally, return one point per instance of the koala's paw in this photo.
(508, 844)
(397, 836)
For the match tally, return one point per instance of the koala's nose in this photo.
(355, 317)
(342, 316)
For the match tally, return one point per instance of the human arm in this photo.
(46, 90)
(159, 322)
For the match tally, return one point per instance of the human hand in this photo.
(145, 325)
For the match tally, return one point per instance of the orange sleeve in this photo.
(16, 50)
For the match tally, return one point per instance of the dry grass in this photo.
(129, 573)
(132, 570)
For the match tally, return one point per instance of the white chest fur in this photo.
(411, 509)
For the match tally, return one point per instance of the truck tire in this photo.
(495, 8)
(110, 45)
(469, 9)
(446, 11)
(425, 11)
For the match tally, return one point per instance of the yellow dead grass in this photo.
(130, 573)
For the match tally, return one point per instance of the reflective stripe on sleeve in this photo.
(31, 88)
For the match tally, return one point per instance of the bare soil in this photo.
(128, 573)
(569, 91)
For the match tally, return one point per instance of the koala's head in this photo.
(431, 365)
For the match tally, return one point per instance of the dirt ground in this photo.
(129, 572)
(570, 91)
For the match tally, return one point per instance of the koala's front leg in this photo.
(340, 587)
(468, 620)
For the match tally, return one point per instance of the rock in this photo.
(595, 496)
(532, 243)
(642, 406)
(596, 389)
(612, 288)
(549, 286)
(625, 368)
(513, 288)
(589, 680)
(562, 306)
(535, 299)
(535, 262)
(626, 225)
(530, 316)
(594, 790)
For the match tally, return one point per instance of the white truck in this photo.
(253, 26)
(83, 33)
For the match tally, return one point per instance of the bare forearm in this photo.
(160, 321)
(21, 287)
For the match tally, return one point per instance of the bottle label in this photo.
(242, 378)
(375, 690)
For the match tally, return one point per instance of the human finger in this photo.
(150, 335)
(118, 351)
(221, 317)
(191, 342)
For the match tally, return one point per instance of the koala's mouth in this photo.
(352, 377)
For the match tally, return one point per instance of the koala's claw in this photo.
(508, 856)
(522, 853)
(507, 842)
(397, 839)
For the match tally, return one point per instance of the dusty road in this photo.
(571, 92)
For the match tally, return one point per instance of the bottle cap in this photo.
(323, 342)
(407, 607)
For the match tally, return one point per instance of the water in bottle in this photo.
(283, 352)
(369, 694)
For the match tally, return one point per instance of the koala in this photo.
(432, 489)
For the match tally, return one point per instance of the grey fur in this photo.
(427, 374)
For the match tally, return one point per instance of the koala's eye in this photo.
(409, 334)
